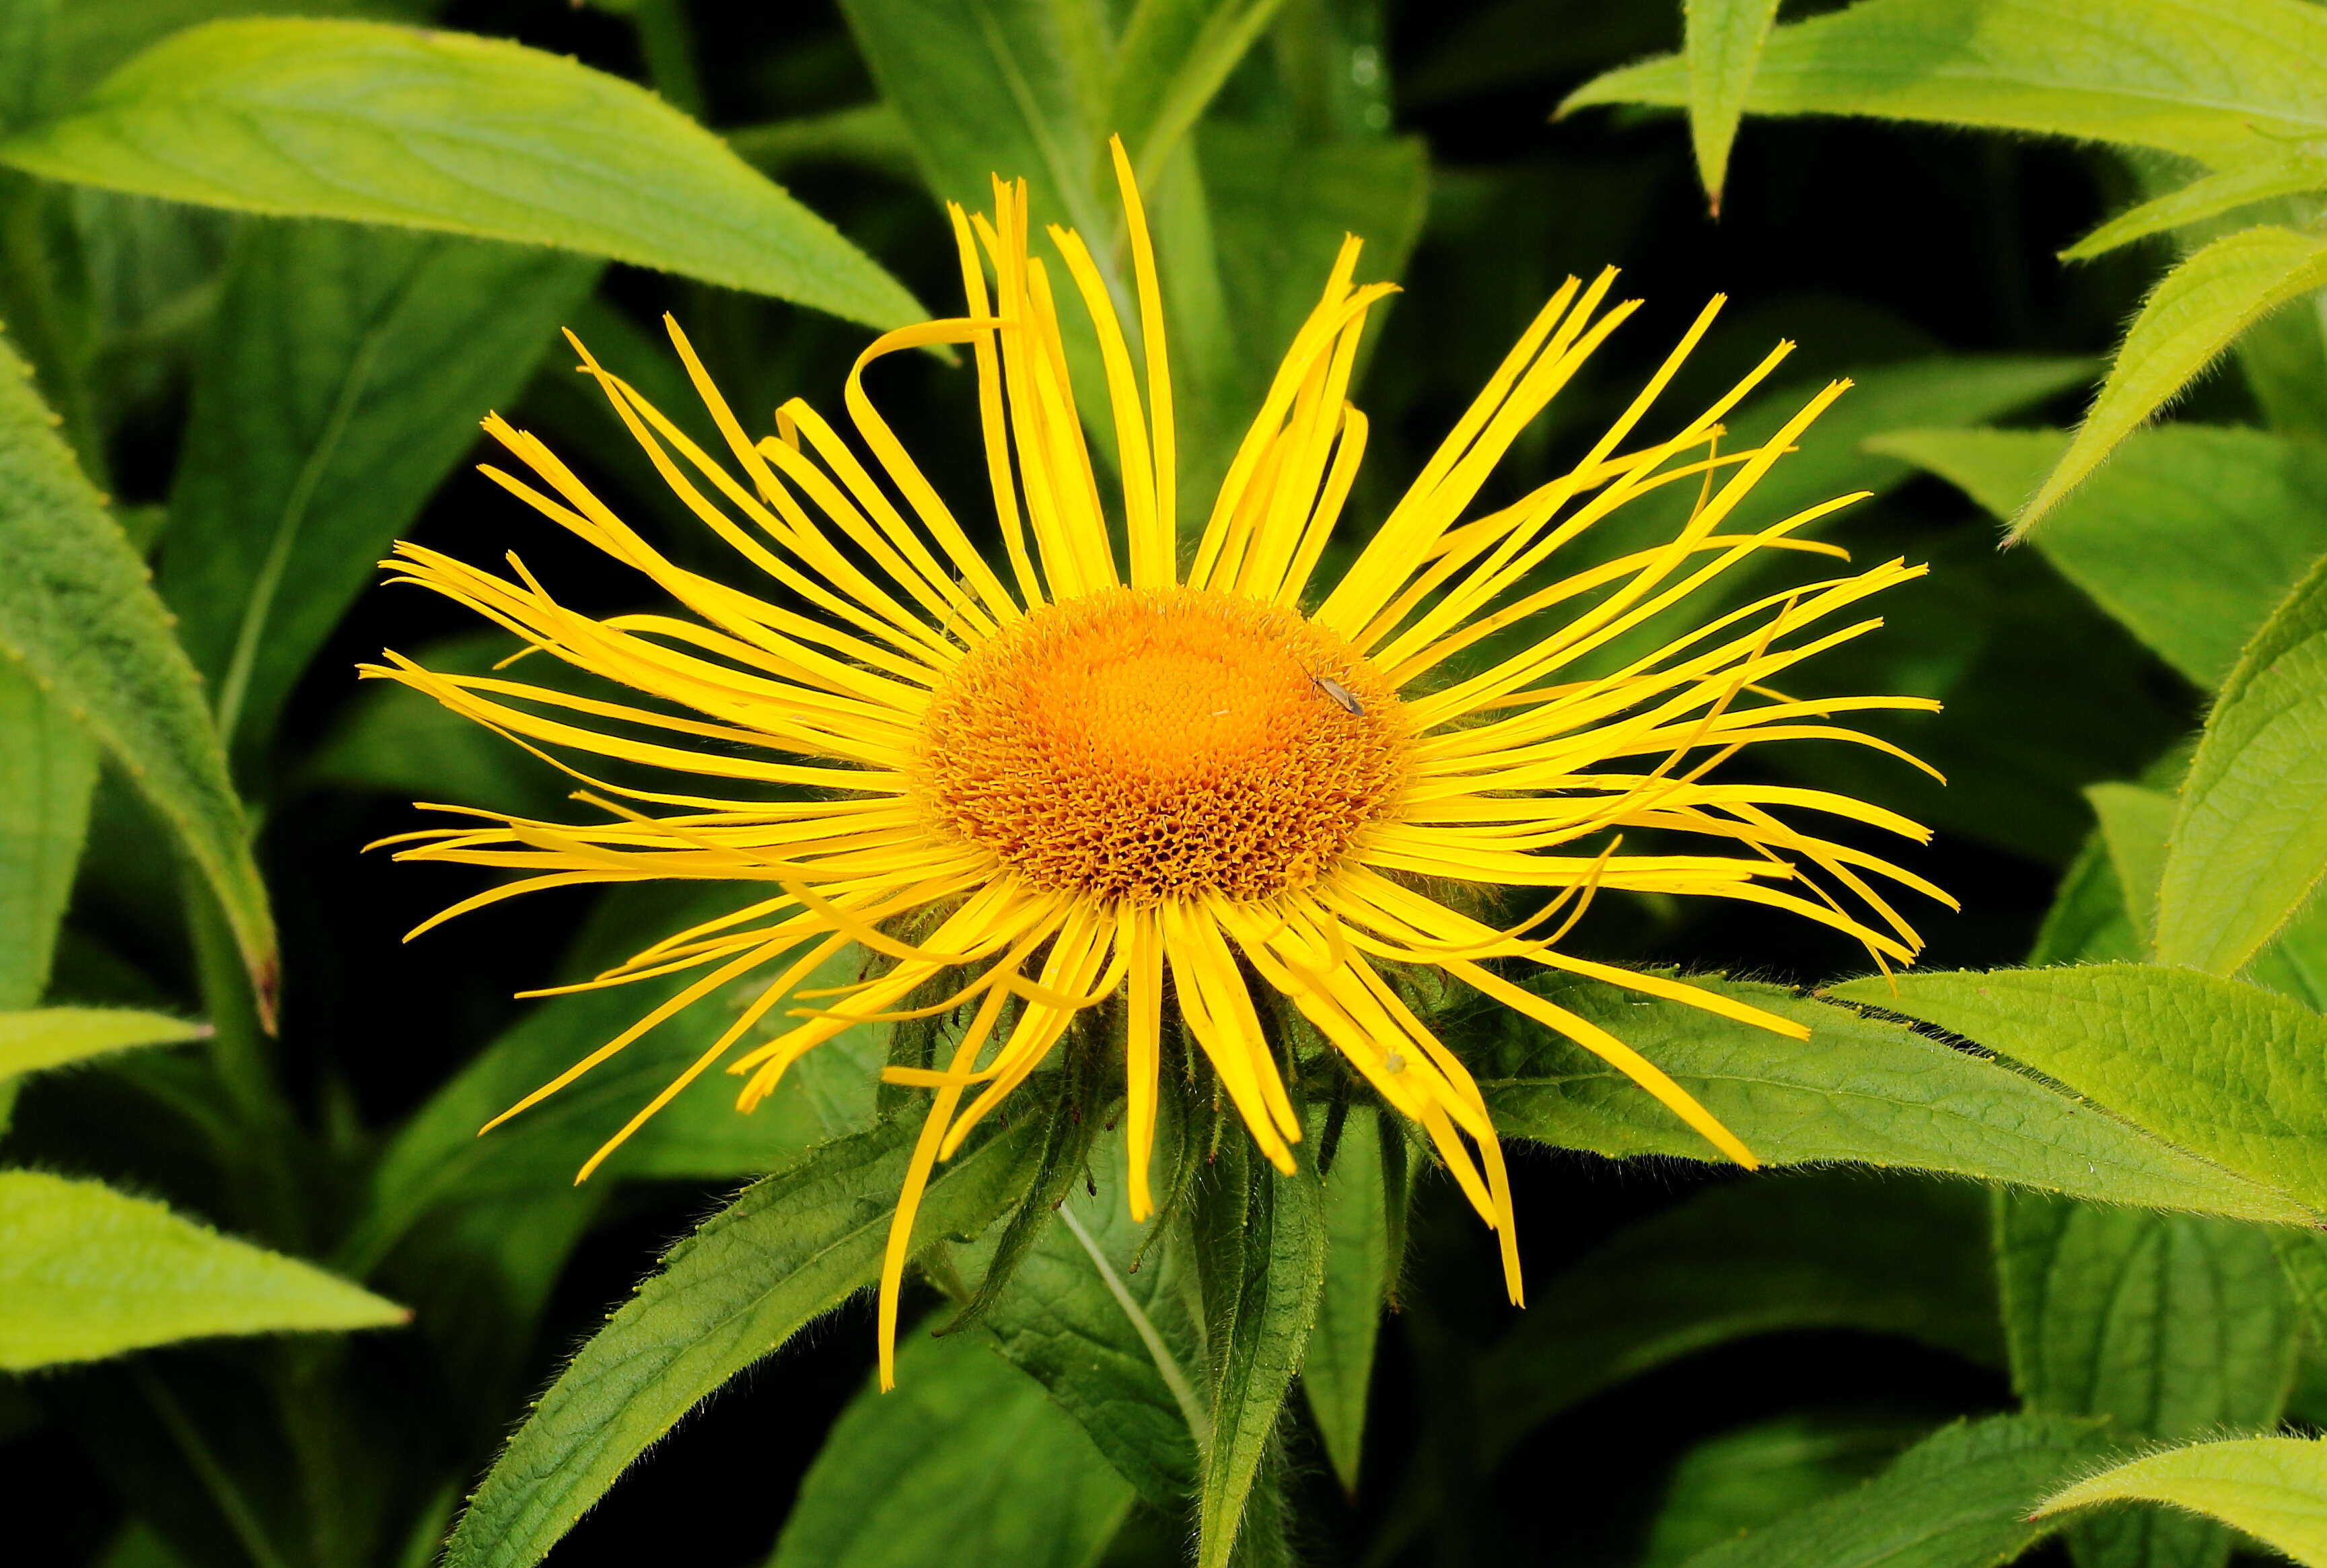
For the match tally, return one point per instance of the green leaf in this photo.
(1340, 1369)
(2275, 1488)
(2230, 1072)
(1098, 1313)
(2250, 844)
(1174, 57)
(340, 387)
(53, 1036)
(1280, 210)
(1746, 1479)
(377, 124)
(2192, 316)
(2217, 80)
(1774, 1256)
(47, 769)
(1722, 43)
(870, 136)
(2170, 1325)
(1014, 89)
(2135, 821)
(1260, 1241)
(77, 612)
(1958, 1499)
(1858, 1089)
(2190, 536)
(88, 42)
(87, 1273)
(786, 1251)
(2088, 922)
(1837, 456)
(2283, 175)
(966, 1460)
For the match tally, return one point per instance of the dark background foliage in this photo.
(1869, 244)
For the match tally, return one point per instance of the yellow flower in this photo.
(1107, 766)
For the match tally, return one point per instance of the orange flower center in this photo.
(1145, 744)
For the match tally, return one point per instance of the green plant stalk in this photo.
(241, 1058)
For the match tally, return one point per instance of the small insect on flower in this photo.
(1340, 695)
(1092, 769)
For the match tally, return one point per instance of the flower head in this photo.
(1192, 775)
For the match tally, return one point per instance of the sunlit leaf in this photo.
(791, 1248)
(2231, 1072)
(966, 1460)
(75, 610)
(1957, 1499)
(2283, 174)
(1858, 1089)
(50, 1036)
(1721, 45)
(2192, 316)
(445, 130)
(2275, 1488)
(2250, 843)
(2190, 536)
(2212, 80)
(87, 1272)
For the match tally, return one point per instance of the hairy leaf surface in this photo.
(87, 1272)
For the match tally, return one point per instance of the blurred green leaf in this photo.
(2212, 80)
(2250, 843)
(788, 1249)
(2089, 922)
(1260, 1248)
(1958, 1499)
(1740, 1481)
(87, 1273)
(2274, 175)
(1015, 89)
(966, 1460)
(872, 135)
(1722, 43)
(76, 609)
(2193, 314)
(2170, 1325)
(1099, 1312)
(2231, 1072)
(1772, 1255)
(47, 769)
(2135, 821)
(2295, 963)
(2274, 1488)
(1858, 1089)
(1173, 58)
(2190, 536)
(49, 1037)
(445, 130)
(1340, 1369)
(1280, 210)
(341, 386)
